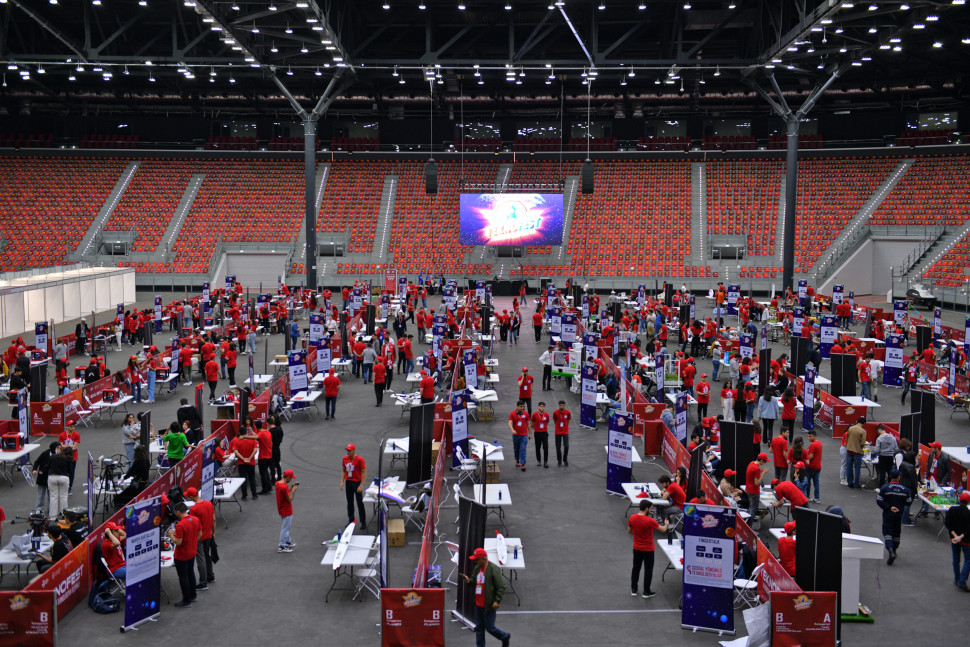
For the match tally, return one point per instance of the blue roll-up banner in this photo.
(693, 307)
(297, 365)
(802, 288)
(385, 305)
(966, 333)
(206, 292)
(449, 298)
(680, 412)
(587, 407)
(252, 373)
(402, 286)
(747, 345)
(471, 368)
(899, 313)
(892, 370)
(173, 366)
(589, 345)
(459, 425)
(838, 294)
(120, 311)
(852, 299)
(438, 332)
(808, 413)
(158, 314)
(207, 489)
(829, 333)
(658, 376)
(480, 289)
(555, 321)
(798, 320)
(937, 323)
(585, 306)
(323, 355)
(764, 336)
(708, 599)
(229, 281)
(734, 291)
(90, 494)
(316, 327)
(550, 297)
(619, 452)
(143, 558)
(641, 295)
(952, 376)
(41, 336)
(356, 300)
(568, 333)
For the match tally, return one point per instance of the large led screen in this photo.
(511, 218)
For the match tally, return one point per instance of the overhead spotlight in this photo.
(686, 5)
(642, 6)
(304, 50)
(70, 78)
(394, 73)
(422, 6)
(873, 30)
(318, 72)
(96, 3)
(965, 41)
(461, 6)
(623, 81)
(938, 45)
(919, 25)
(602, 6)
(632, 73)
(142, 3)
(41, 70)
(288, 30)
(386, 6)
(231, 79)
(717, 72)
(272, 6)
(274, 49)
(932, 18)
(212, 71)
(289, 71)
(508, 6)
(873, 7)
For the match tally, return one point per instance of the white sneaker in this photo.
(843, 482)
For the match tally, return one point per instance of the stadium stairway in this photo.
(86, 246)
(944, 241)
(698, 214)
(385, 218)
(179, 216)
(838, 250)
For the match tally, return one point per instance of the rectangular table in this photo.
(357, 555)
(634, 490)
(111, 407)
(674, 552)
(9, 557)
(6, 458)
(497, 498)
(307, 398)
(514, 563)
(340, 365)
(230, 487)
(397, 450)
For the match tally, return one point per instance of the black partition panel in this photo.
(764, 370)
(420, 437)
(799, 355)
(737, 447)
(924, 338)
(818, 552)
(370, 316)
(145, 432)
(471, 535)
(844, 374)
(695, 469)
(924, 404)
(243, 408)
(909, 427)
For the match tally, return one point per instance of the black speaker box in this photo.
(586, 177)
(431, 177)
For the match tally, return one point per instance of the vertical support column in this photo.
(310, 174)
(791, 197)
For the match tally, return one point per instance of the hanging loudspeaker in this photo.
(586, 177)
(431, 177)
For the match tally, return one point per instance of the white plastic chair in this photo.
(368, 578)
(117, 585)
(84, 415)
(466, 466)
(747, 590)
(453, 551)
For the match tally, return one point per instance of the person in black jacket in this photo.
(276, 430)
(138, 472)
(59, 549)
(893, 497)
(908, 475)
(93, 372)
(188, 413)
(958, 523)
(41, 467)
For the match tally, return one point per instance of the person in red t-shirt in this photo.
(561, 418)
(540, 427)
(779, 450)
(265, 441)
(911, 372)
(641, 525)
(245, 446)
(185, 363)
(525, 388)
(206, 514)
(185, 535)
(673, 493)
(788, 491)
(865, 376)
(813, 465)
(427, 387)
(71, 438)
(353, 474)
(113, 549)
(331, 386)
(212, 377)
(753, 474)
(284, 505)
(380, 377)
(537, 324)
(703, 396)
(520, 426)
(786, 549)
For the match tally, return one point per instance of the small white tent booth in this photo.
(60, 295)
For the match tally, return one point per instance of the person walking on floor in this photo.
(331, 387)
(489, 590)
(353, 474)
(519, 425)
(641, 525)
(546, 360)
(540, 427)
(893, 497)
(185, 535)
(206, 514)
(958, 524)
(265, 462)
(284, 505)
(561, 418)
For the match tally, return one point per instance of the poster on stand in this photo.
(568, 334)
(838, 294)
(937, 323)
(798, 321)
(324, 356)
(681, 416)
(619, 459)
(316, 327)
(808, 412)
(470, 367)
(828, 333)
(41, 336)
(297, 369)
(747, 345)
(143, 552)
(899, 313)
(708, 599)
(207, 489)
(587, 408)
(734, 291)
(892, 370)
(555, 322)
(804, 618)
(158, 314)
(459, 426)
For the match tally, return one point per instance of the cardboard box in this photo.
(280, 358)
(435, 448)
(395, 532)
(493, 474)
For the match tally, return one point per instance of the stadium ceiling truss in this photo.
(385, 58)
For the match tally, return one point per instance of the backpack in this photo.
(101, 600)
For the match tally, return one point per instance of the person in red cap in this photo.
(113, 549)
(641, 525)
(206, 514)
(353, 474)
(779, 451)
(938, 466)
(185, 535)
(331, 386)
(561, 418)
(786, 549)
(957, 522)
(525, 388)
(427, 387)
(726, 486)
(520, 425)
(786, 491)
(703, 396)
(284, 505)
(753, 474)
(489, 590)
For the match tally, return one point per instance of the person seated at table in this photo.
(788, 491)
(113, 550)
(732, 495)
(674, 494)
(138, 472)
(700, 497)
(58, 550)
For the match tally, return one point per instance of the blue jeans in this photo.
(409, 365)
(285, 531)
(749, 412)
(151, 385)
(222, 368)
(294, 341)
(717, 367)
(519, 446)
(960, 575)
(120, 573)
(865, 390)
(251, 343)
(853, 468)
(368, 370)
(136, 391)
(330, 406)
(813, 481)
(485, 621)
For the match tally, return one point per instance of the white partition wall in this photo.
(62, 296)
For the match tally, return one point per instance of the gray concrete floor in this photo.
(575, 589)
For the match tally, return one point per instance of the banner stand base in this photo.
(457, 617)
(858, 617)
(135, 626)
(719, 632)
